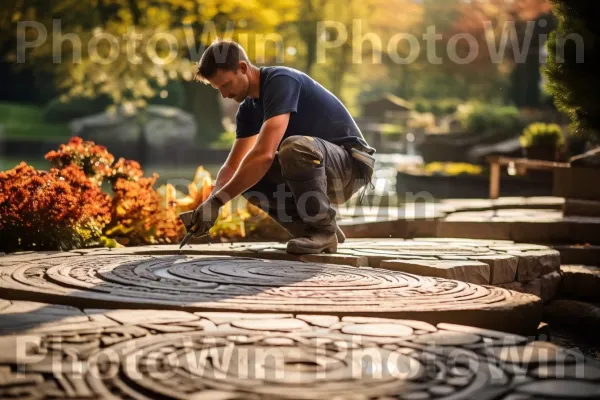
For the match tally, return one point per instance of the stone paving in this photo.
(381, 319)
(523, 267)
(51, 351)
(530, 220)
(161, 277)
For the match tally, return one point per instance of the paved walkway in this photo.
(377, 320)
(529, 220)
(144, 354)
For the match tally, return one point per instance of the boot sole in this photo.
(294, 249)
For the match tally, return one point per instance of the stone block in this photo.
(465, 271)
(503, 267)
(580, 282)
(587, 208)
(474, 229)
(533, 264)
(545, 287)
(577, 183)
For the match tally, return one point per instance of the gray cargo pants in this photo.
(296, 160)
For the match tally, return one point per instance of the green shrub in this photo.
(224, 142)
(57, 111)
(541, 134)
(175, 95)
(27, 122)
(422, 105)
(572, 68)
(480, 118)
(63, 112)
(438, 107)
(449, 105)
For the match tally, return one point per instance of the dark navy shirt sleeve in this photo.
(281, 94)
(244, 121)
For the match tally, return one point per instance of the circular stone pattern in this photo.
(483, 262)
(141, 354)
(245, 284)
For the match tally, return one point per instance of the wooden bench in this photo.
(520, 164)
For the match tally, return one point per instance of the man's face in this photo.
(232, 85)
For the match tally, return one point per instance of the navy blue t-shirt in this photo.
(315, 111)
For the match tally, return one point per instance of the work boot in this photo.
(313, 242)
(297, 228)
(315, 210)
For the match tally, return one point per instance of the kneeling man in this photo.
(297, 149)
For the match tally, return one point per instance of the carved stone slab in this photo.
(213, 355)
(507, 261)
(211, 283)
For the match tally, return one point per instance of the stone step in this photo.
(587, 208)
(581, 317)
(529, 226)
(576, 183)
(580, 282)
(578, 254)
(545, 287)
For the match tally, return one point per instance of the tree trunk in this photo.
(135, 12)
(203, 103)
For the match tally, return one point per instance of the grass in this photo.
(27, 122)
(7, 163)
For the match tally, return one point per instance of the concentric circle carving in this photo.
(245, 284)
(141, 354)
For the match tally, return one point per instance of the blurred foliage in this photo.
(391, 129)
(289, 32)
(424, 121)
(27, 122)
(438, 107)
(542, 134)
(571, 79)
(452, 168)
(481, 79)
(64, 110)
(65, 208)
(482, 118)
(225, 140)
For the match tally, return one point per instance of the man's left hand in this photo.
(205, 216)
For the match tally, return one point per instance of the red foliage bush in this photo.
(60, 209)
(65, 208)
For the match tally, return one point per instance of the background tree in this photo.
(132, 79)
(573, 64)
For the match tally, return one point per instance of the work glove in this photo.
(205, 216)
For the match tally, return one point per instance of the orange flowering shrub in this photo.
(139, 217)
(95, 160)
(126, 169)
(56, 210)
(65, 208)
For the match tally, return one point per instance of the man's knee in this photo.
(299, 155)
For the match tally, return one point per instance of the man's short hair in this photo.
(221, 54)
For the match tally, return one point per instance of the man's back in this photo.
(315, 111)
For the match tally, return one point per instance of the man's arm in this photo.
(257, 161)
(240, 148)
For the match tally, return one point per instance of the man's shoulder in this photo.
(275, 71)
